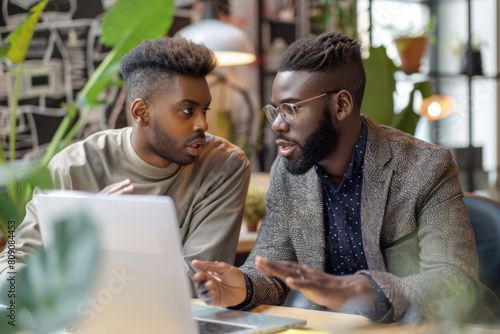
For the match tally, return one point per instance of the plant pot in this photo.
(410, 52)
(473, 59)
(253, 224)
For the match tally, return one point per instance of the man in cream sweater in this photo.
(165, 152)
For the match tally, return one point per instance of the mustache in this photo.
(282, 137)
(200, 135)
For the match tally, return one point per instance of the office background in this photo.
(66, 50)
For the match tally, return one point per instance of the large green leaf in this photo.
(19, 170)
(55, 282)
(152, 18)
(55, 143)
(102, 77)
(34, 174)
(125, 25)
(19, 39)
(407, 119)
(378, 103)
(39, 177)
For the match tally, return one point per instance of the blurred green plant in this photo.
(226, 128)
(255, 206)
(19, 185)
(334, 15)
(225, 125)
(125, 25)
(378, 100)
(54, 283)
(412, 32)
(457, 46)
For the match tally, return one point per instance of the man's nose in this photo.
(279, 125)
(200, 123)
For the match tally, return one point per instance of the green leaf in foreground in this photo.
(19, 39)
(125, 25)
(56, 281)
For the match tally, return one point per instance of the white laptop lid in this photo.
(141, 286)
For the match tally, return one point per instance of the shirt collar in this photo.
(356, 160)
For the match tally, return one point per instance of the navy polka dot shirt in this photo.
(342, 212)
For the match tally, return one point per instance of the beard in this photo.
(166, 147)
(318, 145)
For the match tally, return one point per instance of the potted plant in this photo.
(470, 57)
(412, 45)
(255, 207)
(378, 100)
(334, 15)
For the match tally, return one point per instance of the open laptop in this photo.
(141, 286)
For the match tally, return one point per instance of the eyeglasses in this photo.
(287, 110)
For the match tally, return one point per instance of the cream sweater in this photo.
(209, 194)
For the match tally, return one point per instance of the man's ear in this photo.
(139, 110)
(345, 105)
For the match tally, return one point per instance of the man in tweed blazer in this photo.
(412, 255)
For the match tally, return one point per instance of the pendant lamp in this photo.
(229, 43)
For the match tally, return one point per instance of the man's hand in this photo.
(334, 292)
(122, 187)
(220, 284)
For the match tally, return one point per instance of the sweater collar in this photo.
(142, 166)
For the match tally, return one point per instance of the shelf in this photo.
(285, 30)
(401, 76)
(465, 76)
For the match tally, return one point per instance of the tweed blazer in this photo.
(416, 232)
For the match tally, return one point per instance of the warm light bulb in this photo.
(434, 109)
(227, 58)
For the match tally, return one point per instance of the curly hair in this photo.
(335, 57)
(151, 67)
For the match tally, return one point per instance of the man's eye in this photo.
(206, 110)
(187, 111)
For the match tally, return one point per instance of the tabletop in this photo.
(336, 322)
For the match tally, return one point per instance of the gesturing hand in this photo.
(122, 187)
(334, 292)
(220, 284)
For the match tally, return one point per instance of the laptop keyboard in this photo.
(207, 327)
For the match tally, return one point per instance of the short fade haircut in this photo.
(335, 57)
(150, 68)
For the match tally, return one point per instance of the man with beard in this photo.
(359, 216)
(165, 152)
